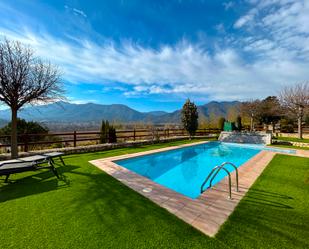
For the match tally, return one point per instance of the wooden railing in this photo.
(75, 138)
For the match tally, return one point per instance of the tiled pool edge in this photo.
(299, 152)
(206, 213)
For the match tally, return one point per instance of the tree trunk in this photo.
(14, 147)
(251, 124)
(299, 121)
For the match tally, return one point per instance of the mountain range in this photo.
(64, 112)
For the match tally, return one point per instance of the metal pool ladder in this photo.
(214, 172)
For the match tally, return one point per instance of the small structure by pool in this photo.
(245, 137)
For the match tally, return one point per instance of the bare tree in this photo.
(25, 79)
(296, 100)
(250, 109)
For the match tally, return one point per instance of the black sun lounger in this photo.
(50, 156)
(25, 164)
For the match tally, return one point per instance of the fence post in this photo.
(26, 142)
(134, 134)
(74, 135)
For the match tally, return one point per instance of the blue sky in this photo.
(152, 55)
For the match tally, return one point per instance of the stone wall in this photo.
(98, 147)
(245, 137)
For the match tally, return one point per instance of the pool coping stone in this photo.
(212, 208)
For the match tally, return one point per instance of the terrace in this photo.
(89, 208)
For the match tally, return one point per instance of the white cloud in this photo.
(279, 58)
(220, 28)
(260, 45)
(228, 5)
(79, 12)
(289, 17)
(277, 15)
(79, 102)
(281, 28)
(76, 11)
(184, 68)
(107, 89)
(246, 19)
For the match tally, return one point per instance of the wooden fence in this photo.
(28, 142)
(65, 139)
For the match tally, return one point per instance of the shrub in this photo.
(107, 133)
(287, 125)
(112, 138)
(25, 127)
(104, 132)
(221, 123)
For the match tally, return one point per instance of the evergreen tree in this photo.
(189, 117)
(103, 139)
(221, 123)
(112, 138)
(23, 128)
(238, 123)
(107, 133)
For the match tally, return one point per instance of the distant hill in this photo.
(219, 109)
(64, 112)
(157, 113)
(67, 112)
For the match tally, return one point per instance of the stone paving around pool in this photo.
(211, 209)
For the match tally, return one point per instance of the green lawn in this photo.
(289, 146)
(293, 139)
(90, 209)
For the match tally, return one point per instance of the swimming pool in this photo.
(184, 170)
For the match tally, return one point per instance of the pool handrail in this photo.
(222, 165)
(207, 178)
(217, 169)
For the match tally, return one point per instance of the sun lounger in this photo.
(50, 156)
(17, 166)
(30, 163)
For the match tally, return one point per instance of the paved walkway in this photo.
(210, 210)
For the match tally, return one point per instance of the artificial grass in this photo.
(275, 212)
(293, 139)
(289, 146)
(89, 209)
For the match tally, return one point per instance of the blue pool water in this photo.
(185, 169)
